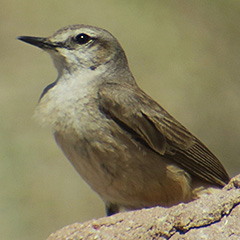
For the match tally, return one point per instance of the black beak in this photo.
(40, 42)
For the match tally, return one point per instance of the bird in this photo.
(126, 146)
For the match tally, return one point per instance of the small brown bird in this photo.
(130, 150)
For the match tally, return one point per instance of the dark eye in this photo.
(82, 38)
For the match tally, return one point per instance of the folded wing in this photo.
(139, 115)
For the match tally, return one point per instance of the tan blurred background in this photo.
(185, 54)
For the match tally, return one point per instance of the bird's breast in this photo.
(68, 102)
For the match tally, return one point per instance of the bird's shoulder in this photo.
(138, 110)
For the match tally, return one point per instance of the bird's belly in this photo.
(122, 170)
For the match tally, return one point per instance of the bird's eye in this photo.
(82, 38)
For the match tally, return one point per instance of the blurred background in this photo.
(185, 54)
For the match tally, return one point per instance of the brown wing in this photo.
(138, 114)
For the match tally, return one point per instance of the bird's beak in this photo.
(40, 42)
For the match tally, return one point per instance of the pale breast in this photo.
(66, 101)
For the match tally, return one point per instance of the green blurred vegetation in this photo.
(185, 54)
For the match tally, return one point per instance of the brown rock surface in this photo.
(216, 216)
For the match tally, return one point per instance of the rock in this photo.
(215, 216)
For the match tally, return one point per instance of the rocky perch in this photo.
(216, 216)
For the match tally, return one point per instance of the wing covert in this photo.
(160, 131)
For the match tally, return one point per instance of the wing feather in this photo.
(160, 131)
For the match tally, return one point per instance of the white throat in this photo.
(58, 106)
